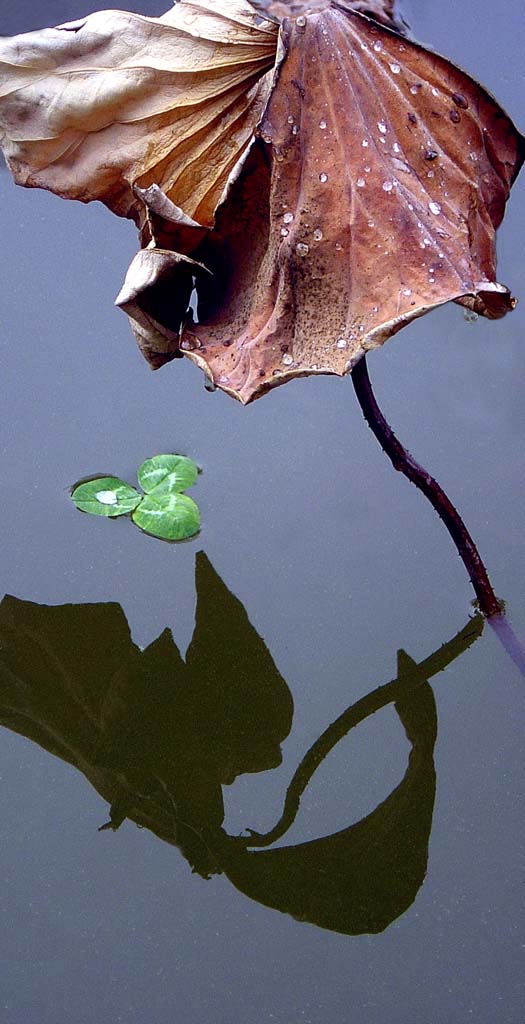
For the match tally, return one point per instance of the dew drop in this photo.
(387, 186)
(395, 69)
(323, 177)
(407, 292)
(414, 89)
(287, 359)
(470, 316)
(288, 218)
(295, 129)
(290, 119)
(360, 182)
(434, 208)
(364, 143)
(341, 343)
(301, 21)
(473, 157)
(460, 100)
(106, 497)
(396, 147)
(435, 92)
(284, 232)
(382, 127)
(322, 124)
(302, 249)
(378, 47)
(318, 234)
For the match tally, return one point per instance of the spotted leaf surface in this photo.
(380, 176)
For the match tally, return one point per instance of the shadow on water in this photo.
(158, 736)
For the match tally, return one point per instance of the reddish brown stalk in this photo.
(403, 461)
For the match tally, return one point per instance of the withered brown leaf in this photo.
(379, 176)
(315, 215)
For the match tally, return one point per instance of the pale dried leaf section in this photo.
(89, 109)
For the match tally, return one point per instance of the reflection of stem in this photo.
(509, 641)
(398, 688)
(403, 461)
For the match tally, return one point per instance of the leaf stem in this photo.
(404, 462)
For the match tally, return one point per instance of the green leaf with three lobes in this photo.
(167, 473)
(105, 496)
(168, 515)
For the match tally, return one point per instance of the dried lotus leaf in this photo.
(127, 100)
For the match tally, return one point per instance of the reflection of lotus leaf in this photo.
(363, 877)
(158, 736)
(155, 735)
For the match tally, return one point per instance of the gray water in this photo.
(316, 564)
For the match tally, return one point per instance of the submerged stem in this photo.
(403, 461)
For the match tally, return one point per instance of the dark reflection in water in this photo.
(158, 736)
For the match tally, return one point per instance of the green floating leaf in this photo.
(105, 496)
(169, 516)
(170, 473)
